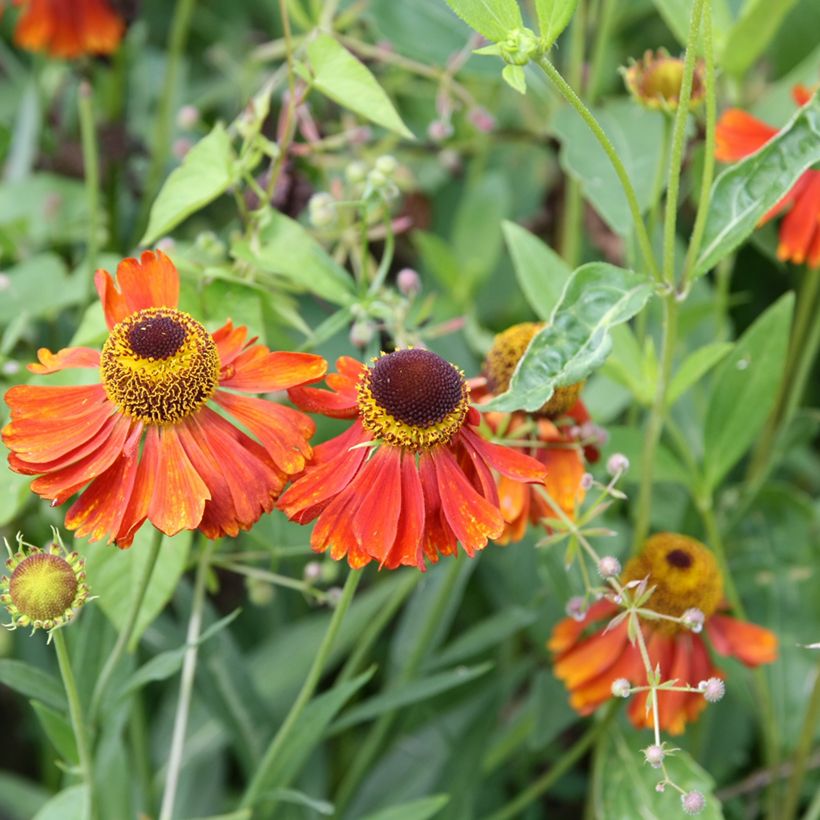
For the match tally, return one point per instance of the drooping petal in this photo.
(588, 696)
(592, 656)
(340, 400)
(143, 491)
(375, 522)
(473, 519)
(179, 493)
(749, 643)
(739, 134)
(567, 631)
(505, 460)
(672, 704)
(259, 370)
(408, 548)
(64, 359)
(282, 431)
(565, 469)
(801, 224)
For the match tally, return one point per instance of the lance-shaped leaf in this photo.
(553, 18)
(492, 18)
(576, 340)
(743, 194)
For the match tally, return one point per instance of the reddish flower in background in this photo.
(144, 443)
(589, 657)
(737, 136)
(560, 426)
(68, 28)
(411, 477)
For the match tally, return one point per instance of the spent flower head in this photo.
(46, 586)
(712, 689)
(654, 755)
(693, 802)
(655, 81)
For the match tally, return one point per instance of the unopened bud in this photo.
(408, 281)
(260, 593)
(312, 572)
(587, 480)
(322, 210)
(187, 117)
(361, 333)
(439, 130)
(713, 689)
(693, 619)
(609, 567)
(693, 802)
(166, 244)
(576, 608)
(334, 595)
(621, 688)
(450, 160)
(356, 172)
(482, 119)
(387, 164)
(654, 755)
(618, 463)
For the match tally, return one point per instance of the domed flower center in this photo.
(159, 365)
(503, 357)
(684, 573)
(413, 399)
(43, 586)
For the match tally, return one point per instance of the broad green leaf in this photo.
(32, 682)
(438, 258)
(630, 441)
(409, 693)
(492, 18)
(206, 172)
(541, 273)
(114, 576)
(745, 390)
(626, 787)
(758, 22)
(626, 365)
(39, 287)
(58, 730)
(288, 250)
(553, 18)
(551, 709)
(422, 809)
(71, 802)
(576, 339)
(637, 136)
(340, 76)
(310, 728)
(743, 193)
(694, 367)
(20, 799)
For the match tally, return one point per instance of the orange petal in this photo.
(471, 517)
(64, 359)
(408, 548)
(505, 460)
(739, 134)
(180, 493)
(801, 94)
(801, 223)
(143, 491)
(51, 402)
(153, 281)
(282, 431)
(565, 469)
(567, 631)
(230, 341)
(588, 696)
(113, 302)
(513, 497)
(749, 643)
(375, 522)
(258, 370)
(324, 402)
(590, 658)
(672, 705)
(334, 527)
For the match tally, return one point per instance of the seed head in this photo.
(621, 688)
(693, 802)
(693, 619)
(576, 608)
(654, 755)
(712, 690)
(609, 567)
(618, 463)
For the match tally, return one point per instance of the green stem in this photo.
(280, 739)
(609, 149)
(654, 424)
(709, 151)
(75, 711)
(678, 143)
(605, 15)
(124, 638)
(381, 729)
(801, 752)
(660, 175)
(91, 172)
(186, 683)
(553, 775)
(161, 141)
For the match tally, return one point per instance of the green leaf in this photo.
(745, 390)
(515, 78)
(439, 259)
(758, 22)
(32, 682)
(626, 788)
(742, 194)
(114, 576)
(694, 367)
(206, 172)
(288, 250)
(492, 18)
(298, 798)
(422, 809)
(637, 136)
(676, 15)
(340, 76)
(14, 490)
(541, 273)
(553, 18)
(630, 441)
(72, 802)
(576, 340)
(410, 693)
(39, 287)
(58, 730)
(20, 799)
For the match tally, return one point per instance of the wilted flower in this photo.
(655, 81)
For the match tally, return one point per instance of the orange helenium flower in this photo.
(737, 136)
(411, 477)
(556, 426)
(68, 28)
(145, 441)
(590, 657)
